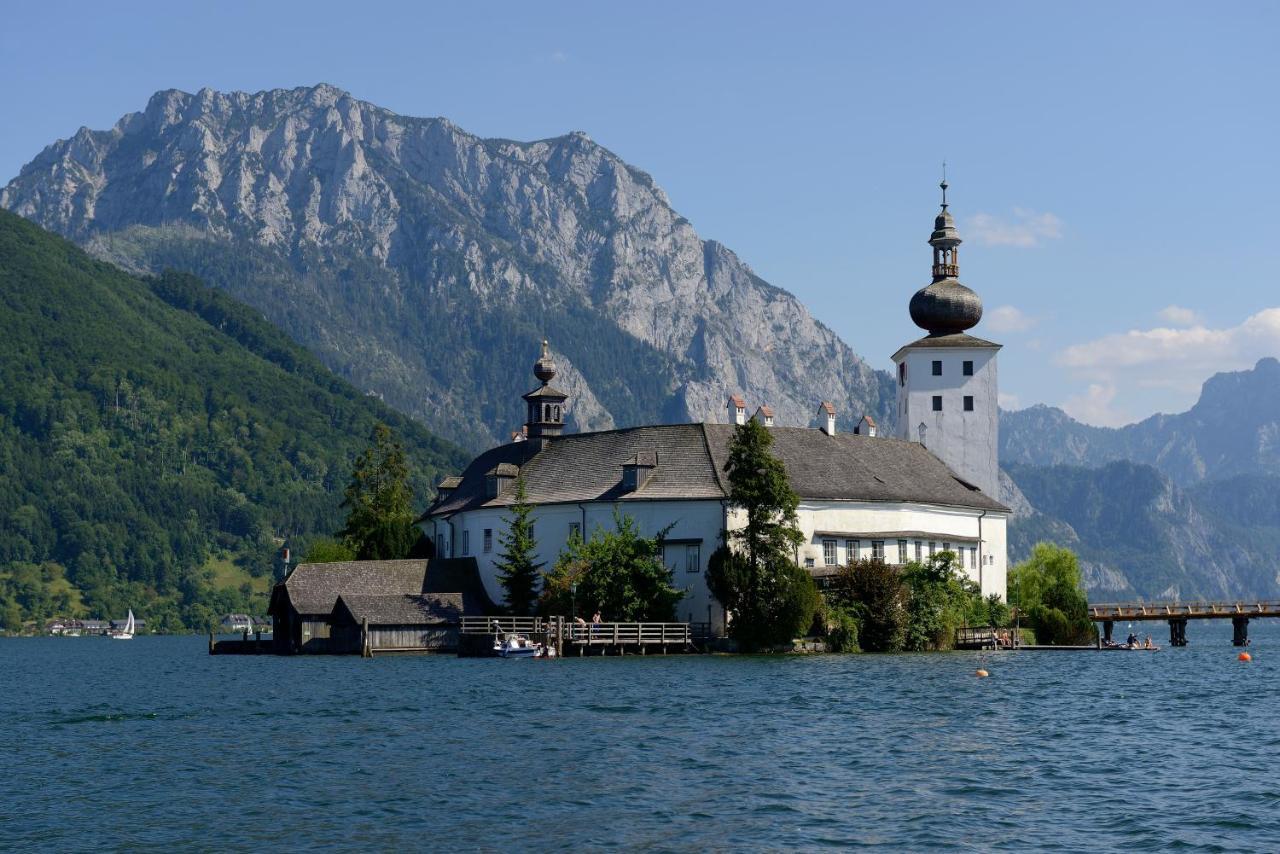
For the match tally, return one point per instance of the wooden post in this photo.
(211, 644)
(1240, 631)
(366, 651)
(1107, 626)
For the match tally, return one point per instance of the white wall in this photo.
(694, 520)
(968, 442)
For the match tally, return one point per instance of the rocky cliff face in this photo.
(1234, 429)
(426, 263)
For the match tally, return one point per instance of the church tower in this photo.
(546, 404)
(947, 391)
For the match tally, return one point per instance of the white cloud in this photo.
(1025, 229)
(1176, 315)
(1175, 362)
(1007, 318)
(1094, 406)
(1008, 401)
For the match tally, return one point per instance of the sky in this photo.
(1113, 166)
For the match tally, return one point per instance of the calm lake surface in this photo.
(154, 743)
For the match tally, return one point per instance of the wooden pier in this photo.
(579, 639)
(1179, 613)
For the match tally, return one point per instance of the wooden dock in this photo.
(1179, 613)
(579, 639)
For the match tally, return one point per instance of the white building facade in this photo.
(931, 488)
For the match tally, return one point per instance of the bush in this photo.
(840, 630)
(873, 592)
(1048, 589)
(769, 607)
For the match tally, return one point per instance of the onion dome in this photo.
(945, 306)
(545, 368)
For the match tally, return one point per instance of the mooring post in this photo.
(1240, 633)
(1107, 626)
(1178, 631)
(211, 644)
(365, 650)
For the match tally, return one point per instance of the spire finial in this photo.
(944, 185)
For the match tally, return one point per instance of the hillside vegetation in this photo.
(158, 441)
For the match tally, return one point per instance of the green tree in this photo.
(379, 501)
(940, 599)
(517, 570)
(328, 550)
(619, 572)
(768, 597)
(875, 594)
(1048, 590)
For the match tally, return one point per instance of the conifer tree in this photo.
(379, 501)
(518, 572)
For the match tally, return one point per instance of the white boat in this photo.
(127, 632)
(516, 646)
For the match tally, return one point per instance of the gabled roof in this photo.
(738, 401)
(647, 458)
(313, 588)
(588, 467)
(424, 609)
(449, 483)
(504, 470)
(827, 408)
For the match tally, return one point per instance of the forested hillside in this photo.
(159, 440)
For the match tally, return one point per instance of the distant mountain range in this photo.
(425, 264)
(1234, 429)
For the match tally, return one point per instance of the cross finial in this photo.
(944, 185)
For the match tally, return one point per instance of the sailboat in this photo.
(127, 632)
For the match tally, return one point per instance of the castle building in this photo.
(933, 487)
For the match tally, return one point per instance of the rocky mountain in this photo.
(1138, 534)
(1234, 429)
(425, 263)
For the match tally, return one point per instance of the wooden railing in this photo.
(628, 633)
(503, 625)
(1198, 610)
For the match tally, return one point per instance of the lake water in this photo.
(156, 744)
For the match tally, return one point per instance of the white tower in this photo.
(947, 380)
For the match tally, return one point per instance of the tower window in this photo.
(937, 403)
(902, 373)
(968, 368)
(488, 540)
(937, 367)
(968, 403)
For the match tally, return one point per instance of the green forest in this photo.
(159, 442)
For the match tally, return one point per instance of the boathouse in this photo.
(428, 597)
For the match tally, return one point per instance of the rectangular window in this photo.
(902, 551)
(946, 547)
(575, 530)
(968, 368)
(692, 558)
(933, 548)
(808, 562)
(850, 550)
(919, 550)
(973, 558)
(466, 543)
(937, 403)
(829, 552)
(877, 549)
(937, 367)
(968, 403)
(902, 373)
(488, 540)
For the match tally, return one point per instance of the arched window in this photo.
(556, 414)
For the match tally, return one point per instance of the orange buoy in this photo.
(981, 673)
(1244, 656)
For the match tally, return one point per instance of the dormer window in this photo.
(498, 480)
(637, 471)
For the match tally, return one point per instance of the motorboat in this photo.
(516, 646)
(1129, 647)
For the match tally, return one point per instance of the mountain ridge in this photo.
(351, 226)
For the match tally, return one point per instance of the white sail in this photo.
(129, 625)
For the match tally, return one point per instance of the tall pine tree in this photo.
(517, 570)
(379, 501)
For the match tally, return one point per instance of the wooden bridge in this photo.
(587, 638)
(1178, 613)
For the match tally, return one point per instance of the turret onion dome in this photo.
(945, 306)
(545, 368)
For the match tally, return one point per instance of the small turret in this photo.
(545, 404)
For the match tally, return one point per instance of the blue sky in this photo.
(1113, 165)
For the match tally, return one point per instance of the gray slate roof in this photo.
(400, 610)
(691, 458)
(955, 339)
(314, 588)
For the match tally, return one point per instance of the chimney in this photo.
(827, 417)
(737, 408)
(866, 427)
(764, 415)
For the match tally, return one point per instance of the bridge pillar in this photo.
(1107, 626)
(1178, 632)
(1240, 633)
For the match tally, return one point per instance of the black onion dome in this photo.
(545, 368)
(945, 307)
